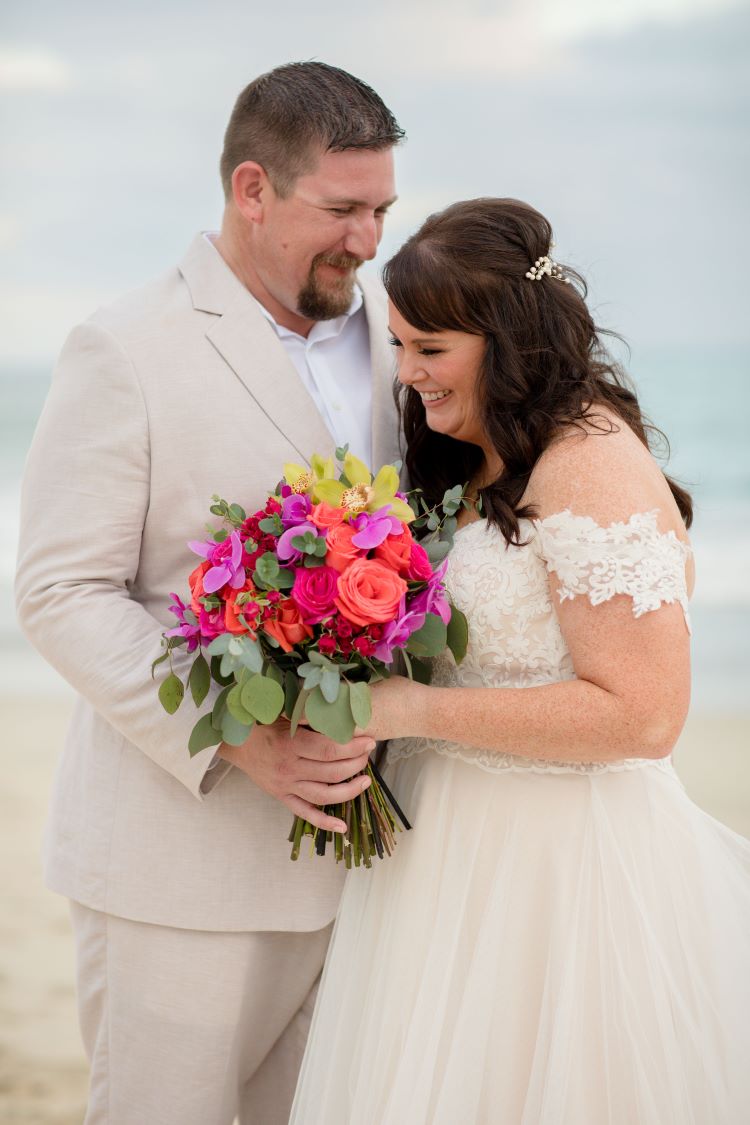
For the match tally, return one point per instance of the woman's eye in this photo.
(394, 342)
(429, 351)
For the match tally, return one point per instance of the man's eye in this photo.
(340, 210)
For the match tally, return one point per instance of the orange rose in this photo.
(369, 591)
(324, 515)
(341, 551)
(195, 581)
(232, 611)
(287, 627)
(395, 551)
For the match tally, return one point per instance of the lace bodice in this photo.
(514, 634)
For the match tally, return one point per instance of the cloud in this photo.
(33, 68)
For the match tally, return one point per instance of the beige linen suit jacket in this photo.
(175, 392)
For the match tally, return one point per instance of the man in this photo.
(199, 943)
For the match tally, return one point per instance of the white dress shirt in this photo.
(333, 362)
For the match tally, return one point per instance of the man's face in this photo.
(309, 245)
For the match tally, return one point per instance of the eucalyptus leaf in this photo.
(457, 637)
(220, 707)
(263, 698)
(331, 719)
(430, 640)
(318, 658)
(250, 655)
(232, 732)
(199, 679)
(360, 704)
(330, 683)
(217, 673)
(227, 665)
(291, 692)
(219, 645)
(298, 710)
(313, 677)
(236, 708)
(171, 693)
(237, 512)
(203, 735)
(436, 550)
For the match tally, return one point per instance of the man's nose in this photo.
(363, 238)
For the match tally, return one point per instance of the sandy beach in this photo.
(42, 1068)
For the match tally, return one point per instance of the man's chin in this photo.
(326, 302)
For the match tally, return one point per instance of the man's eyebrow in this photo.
(331, 202)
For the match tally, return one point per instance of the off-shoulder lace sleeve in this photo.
(632, 558)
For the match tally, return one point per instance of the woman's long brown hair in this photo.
(545, 367)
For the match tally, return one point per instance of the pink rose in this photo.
(314, 592)
(420, 567)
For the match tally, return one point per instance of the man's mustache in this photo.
(340, 261)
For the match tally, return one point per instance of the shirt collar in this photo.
(322, 329)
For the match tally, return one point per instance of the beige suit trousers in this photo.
(192, 1027)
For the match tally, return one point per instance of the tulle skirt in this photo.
(542, 949)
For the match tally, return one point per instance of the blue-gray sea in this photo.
(701, 399)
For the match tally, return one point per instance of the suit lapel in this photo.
(248, 344)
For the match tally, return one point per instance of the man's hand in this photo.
(303, 772)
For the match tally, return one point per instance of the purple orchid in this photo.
(396, 633)
(225, 559)
(191, 632)
(284, 549)
(295, 509)
(374, 527)
(433, 599)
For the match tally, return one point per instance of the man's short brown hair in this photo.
(286, 118)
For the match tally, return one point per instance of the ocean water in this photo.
(700, 399)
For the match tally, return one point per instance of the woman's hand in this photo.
(396, 706)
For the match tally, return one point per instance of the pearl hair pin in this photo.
(544, 266)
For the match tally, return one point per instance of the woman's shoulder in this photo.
(601, 470)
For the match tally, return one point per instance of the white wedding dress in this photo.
(552, 944)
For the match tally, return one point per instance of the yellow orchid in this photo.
(363, 493)
(301, 479)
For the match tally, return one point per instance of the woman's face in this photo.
(443, 368)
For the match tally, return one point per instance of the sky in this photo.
(624, 121)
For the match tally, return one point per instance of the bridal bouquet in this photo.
(295, 609)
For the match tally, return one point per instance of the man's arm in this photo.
(84, 501)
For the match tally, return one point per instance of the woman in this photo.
(564, 936)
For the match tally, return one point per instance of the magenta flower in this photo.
(396, 633)
(226, 562)
(186, 629)
(284, 548)
(433, 599)
(295, 509)
(314, 592)
(420, 567)
(373, 528)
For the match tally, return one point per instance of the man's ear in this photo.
(251, 189)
